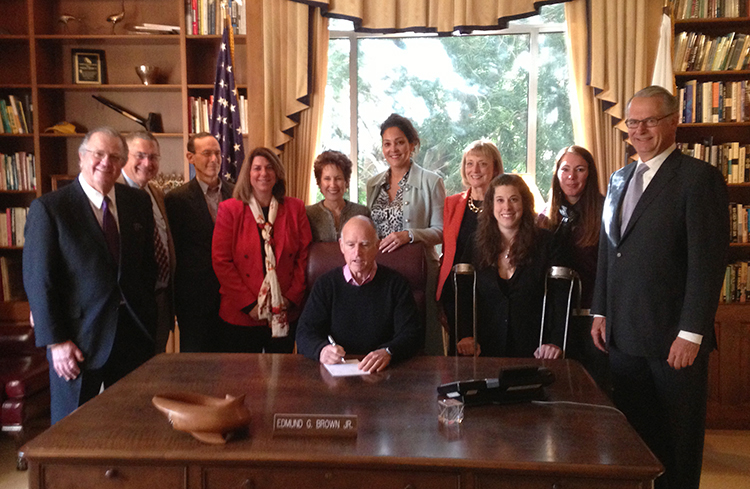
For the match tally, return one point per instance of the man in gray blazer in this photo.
(662, 253)
(141, 167)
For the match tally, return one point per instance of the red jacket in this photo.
(453, 214)
(238, 262)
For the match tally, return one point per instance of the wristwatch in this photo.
(411, 235)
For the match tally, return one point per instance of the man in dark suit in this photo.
(141, 167)
(89, 273)
(662, 253)
(191, 211)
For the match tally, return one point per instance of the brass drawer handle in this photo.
(111, 473)
(248, 484)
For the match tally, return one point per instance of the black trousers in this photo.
(131, 348)
(253, 339)
(667, 408)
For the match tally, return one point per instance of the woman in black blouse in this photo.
(511, 256)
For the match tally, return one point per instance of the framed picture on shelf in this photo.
(89, 66)
(59, 181)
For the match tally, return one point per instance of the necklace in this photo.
(474, 208)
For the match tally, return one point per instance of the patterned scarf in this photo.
(270, 301)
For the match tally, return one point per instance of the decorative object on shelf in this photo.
(115, 18)
(148, 74)
(59, 181)
(65, 18)
(168, 182)
(62, 128)
(208, 419)
(89, 66)
(152, 123)
(154, 29)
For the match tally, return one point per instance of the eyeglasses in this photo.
(648, 121)
(100, 155)
(153, 158)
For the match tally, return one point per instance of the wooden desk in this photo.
(120, 440)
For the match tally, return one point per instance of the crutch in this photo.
(464, 269)
(562, 273)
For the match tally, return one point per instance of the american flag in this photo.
(225, 113)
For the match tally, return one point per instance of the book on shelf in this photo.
(732, 159)
(17, 171)
(694, 51)
(735, 286)
(11, 270)
(205, 17)
(740, 226)
(713, 101)
(16, 114)
(710, 9)
(12, 223)
(200, 109)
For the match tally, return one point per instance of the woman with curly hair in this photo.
(511, 256)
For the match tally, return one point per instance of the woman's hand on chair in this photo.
(548, 352)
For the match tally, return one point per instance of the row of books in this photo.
(199, 113)
(205, 17)
(12, 223)
(714, 101)
(16, 114)
(11, 285)
(694, 51)
(733, 159)
(710, 9)
(735, 287)
(739, 230)
(17, 171)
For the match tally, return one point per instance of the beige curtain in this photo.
(428, 15)
(613, 45)
(300, 152)
(285, 49)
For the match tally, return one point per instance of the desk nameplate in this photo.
(339, 425)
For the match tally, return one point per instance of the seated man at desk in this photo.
(360, 309)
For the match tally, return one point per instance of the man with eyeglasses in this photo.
(662, 252)
(142, 167)
(191, 212)
(89, 273)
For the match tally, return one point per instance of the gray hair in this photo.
(668, 101)
(143, 135)
(108, 131)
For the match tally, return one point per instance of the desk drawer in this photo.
(113, 476)
(540, 482)
(282, 477)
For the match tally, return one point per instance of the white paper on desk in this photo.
(346, 369)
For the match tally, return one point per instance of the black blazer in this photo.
(509, 312)
(74, 286)
(196, 286)
(665, 272)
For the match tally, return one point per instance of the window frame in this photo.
(533, 30)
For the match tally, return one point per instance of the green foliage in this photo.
(455, 90)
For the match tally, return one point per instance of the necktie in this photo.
(633, 194)
(111, 235)
(162, 261)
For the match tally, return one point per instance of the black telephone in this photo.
(513, 384)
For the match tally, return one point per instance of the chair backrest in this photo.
(409, 260)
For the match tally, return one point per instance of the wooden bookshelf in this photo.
(36, 60)
(729, 373)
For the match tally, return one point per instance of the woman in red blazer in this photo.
(481, 163)
(259, 254)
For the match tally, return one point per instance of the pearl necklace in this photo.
(473, 207)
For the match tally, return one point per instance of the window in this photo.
(510, 87)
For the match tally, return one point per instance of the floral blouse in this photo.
(389, 215)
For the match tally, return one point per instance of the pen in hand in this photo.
(333, 343)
